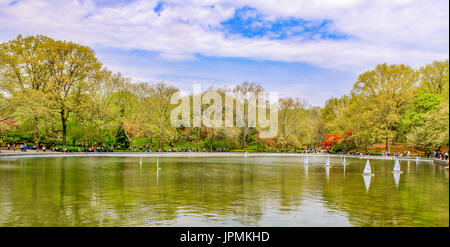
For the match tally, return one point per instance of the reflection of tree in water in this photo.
(117, 192)
(408, 205)
(291, 181)
(221, 190)
(81, 192)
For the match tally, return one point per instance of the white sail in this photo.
(397, 166)
(327, 163)
(367, 179)
(367, 170)
(344, 160)
(306, 160)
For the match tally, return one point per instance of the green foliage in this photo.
(75, 131)
(390, 103)
(121, 141)
(434, 77)
(69, 148)
(424, 102)
(220, 144)
(18, 137)
(57, 92)
(337, 148)
(433, 132)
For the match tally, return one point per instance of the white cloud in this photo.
(412, 32)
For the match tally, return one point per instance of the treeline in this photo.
(392, 103)
(58, 93)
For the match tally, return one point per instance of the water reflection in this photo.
(269, 191)
(306, 170)
(409, 163)
(396, 178)
(157, 175)
(344, 165)
(367, 179)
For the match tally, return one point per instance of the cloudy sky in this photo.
(307, 49)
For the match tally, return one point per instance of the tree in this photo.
(424, 102)
(334, 114)
(434, 77)
(433, 132)
(103, 110)
(121, 138)
(383, 95)
(244, 89)
(73, 69)
(288, 114)
(157, 110)
(128, 100)
(24, 76)
(6, 125)
(331, 141)
(317, 124)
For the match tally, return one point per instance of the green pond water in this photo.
(235, 191)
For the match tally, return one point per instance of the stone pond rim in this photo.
(204, 155)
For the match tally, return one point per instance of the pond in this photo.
(220, 191)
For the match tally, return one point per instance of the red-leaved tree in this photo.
(331, 140)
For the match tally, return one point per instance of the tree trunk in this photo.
(64, 126)
(35, 131)
(211, 142)
(198, 139)
(387, 145)
(160, 139)
(244, 137)
(131, 144)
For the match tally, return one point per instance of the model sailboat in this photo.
(367, 169)
(397, 167)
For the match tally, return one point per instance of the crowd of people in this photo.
(23, 147)
(440, 155)
(146, 148)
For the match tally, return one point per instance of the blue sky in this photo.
(313, 50)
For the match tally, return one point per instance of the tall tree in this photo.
(433, 132)
(244, 89)
(434, 77)
(383, 94)
(24, 76)
(157, 110)
(73, 71)
(288, 114)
